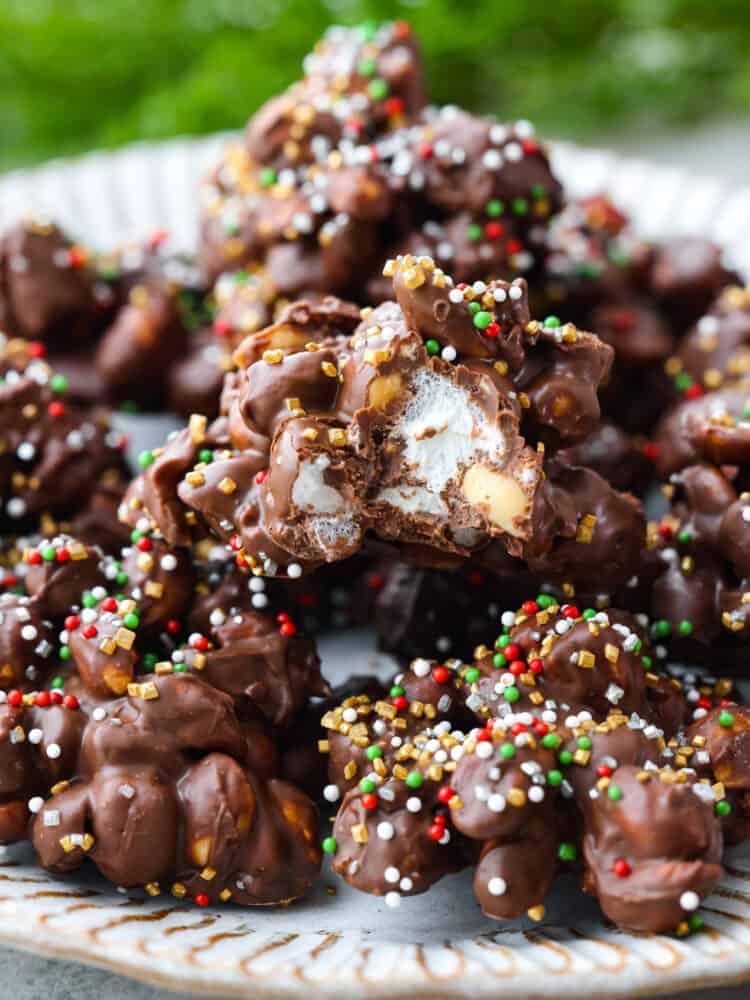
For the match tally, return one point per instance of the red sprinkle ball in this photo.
(437, 829)
(441, 675)
(288, 628)
(157, 238)
(621, 868)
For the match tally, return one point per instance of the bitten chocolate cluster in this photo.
(431, 421)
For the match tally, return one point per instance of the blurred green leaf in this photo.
(80, 74)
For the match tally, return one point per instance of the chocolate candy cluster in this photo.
(696, 562)
(114, 324)
(60, 459)
(143, 724)
(559, 748)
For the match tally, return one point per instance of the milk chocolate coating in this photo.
(112, 323)
(712, 428)
(703, 556)
(639, 390)
(671, 840)
(28, 765)
(27, 643)
(583, 524)
(497, 162)
(146, 335)
(243, 303)
(293, 127)
(615, 455)
(686, 275)
(323, 182)
(160, 579)
(437, 613)
(302, 762)
(48, 289)
(585, 257)
(98, 523)
(376, 725)
(60, 571)
(169, 801)
(478, 781)
(54, 451)
(715, 349)
(722, 751)
(398, 841)
(255, 660)
(525, 865)
(161, 620)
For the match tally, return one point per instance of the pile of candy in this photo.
(421, 461)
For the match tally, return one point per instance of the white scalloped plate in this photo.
(346, 946)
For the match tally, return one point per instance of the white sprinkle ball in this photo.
(497, 886)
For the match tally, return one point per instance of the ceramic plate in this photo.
(339, 944)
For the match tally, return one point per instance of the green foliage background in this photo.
(79, 74)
